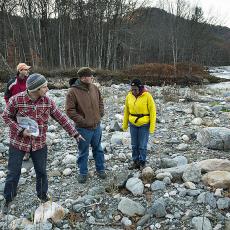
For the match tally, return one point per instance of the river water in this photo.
(221, 72)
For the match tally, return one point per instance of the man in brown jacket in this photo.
(84, 105)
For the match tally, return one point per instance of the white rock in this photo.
(49, 210)
(197, 121)
(119, 117)
(126, 221)
(108, 157)
(23, 170)
(218, 192)
(189, 185)
(158, 225)
(67, 172)
(185, 138)
(69, 159)
(117, 217)
(182, 147)
(135, 186)
(122, 156)
(2, 174)
(173, 193)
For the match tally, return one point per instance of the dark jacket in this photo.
(14, 86)
(84, 105)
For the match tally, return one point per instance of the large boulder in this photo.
(214, 165)
(215, 138)
(217, 179)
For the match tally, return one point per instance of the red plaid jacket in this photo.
(40, 111)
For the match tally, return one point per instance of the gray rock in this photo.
(192, 173)
(130, 207)
(215, 138)
(207, 198)
(201, 223)
(193, 192)
(158, 185)
(158, 208)
(135, 186)
(223, 203)
(176, 161)
(96, 190)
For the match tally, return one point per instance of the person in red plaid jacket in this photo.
(32, 104)
(17, 85)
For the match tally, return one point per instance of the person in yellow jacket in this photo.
(140, 116)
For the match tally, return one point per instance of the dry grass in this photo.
(150, 74)
(158, 74)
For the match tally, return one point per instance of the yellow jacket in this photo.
(143, 104)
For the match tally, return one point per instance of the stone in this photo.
(67, 172)
(214, 165)
(201, 223)
(49, 210)
(217, 179)
(217, 138)
(147, 174)
(135, 186)
(192, 173)
(130, 207)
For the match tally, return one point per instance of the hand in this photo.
(26, 133)
(79, 137)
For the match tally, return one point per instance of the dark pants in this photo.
(39, 159)
(92, 137)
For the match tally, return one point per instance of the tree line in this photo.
(108, 34)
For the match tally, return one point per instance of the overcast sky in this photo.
(220, 9)
(215, 11)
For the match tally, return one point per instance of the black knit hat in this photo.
(85, 71)
(35, 82)
(136, 82)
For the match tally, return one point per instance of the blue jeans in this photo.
(92, 137)
(139, 141)
(39, 159)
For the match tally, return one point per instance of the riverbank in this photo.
(175, 194)
(152, 74)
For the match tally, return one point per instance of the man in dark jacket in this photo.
(84, 105)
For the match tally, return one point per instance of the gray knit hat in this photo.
(35, 81)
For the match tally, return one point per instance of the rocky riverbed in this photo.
(185, 186)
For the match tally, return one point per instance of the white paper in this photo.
(30, 124)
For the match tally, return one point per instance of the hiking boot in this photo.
(134, 165)
(101, 175)
(142, 165)
(44, 198)
(5, 207)
(82, 179)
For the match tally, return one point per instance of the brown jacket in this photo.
(84, 105)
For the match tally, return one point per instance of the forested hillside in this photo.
(107, 34)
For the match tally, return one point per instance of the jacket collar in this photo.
(29, 99)
(80, 85)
